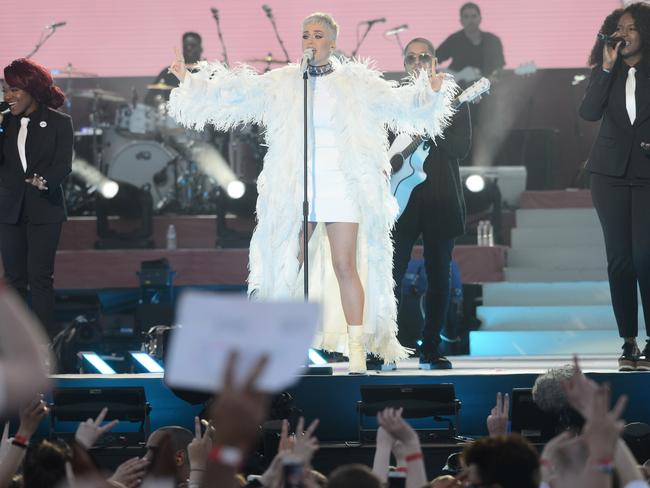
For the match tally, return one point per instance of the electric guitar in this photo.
(407, 153)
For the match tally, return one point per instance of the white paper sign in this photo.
(213, 325)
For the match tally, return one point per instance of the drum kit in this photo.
(146, 147)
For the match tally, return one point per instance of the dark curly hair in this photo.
(36, 80)
(640, 12)
(44, 464)
(509, 461)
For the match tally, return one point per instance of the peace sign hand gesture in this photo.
(177, 68)
(89, 431)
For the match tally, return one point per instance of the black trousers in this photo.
(28, 252)
(415, 221)
(623, 207)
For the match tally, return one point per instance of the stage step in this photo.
(556, 342)
(559, 217)
(541, 237)
(592, 317)
(541, 294)
(530, 274)
(558, 257)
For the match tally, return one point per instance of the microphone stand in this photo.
(269, 14)
(42, 40)
(215, 14)
(363, 38)
(305, 202)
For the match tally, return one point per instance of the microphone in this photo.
(373, 21)
(396, 30)
(55, 25)
(610, 40)
(4, 108)
(307, 56)
(267, 10)
(215, 12)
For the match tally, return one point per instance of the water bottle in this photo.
(171, 237)
(489, 234)
(480, 233)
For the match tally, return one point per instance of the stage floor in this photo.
(482, 365)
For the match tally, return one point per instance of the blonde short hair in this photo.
(325, 19)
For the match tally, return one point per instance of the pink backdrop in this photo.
(136, 37)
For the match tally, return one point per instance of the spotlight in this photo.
(316, 358)
(236, 189)
(475, 183)
(109, 189)
(97, 364)
(142, 360)
(94, 178)
(124, 221)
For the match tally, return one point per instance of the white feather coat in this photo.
(365, 106)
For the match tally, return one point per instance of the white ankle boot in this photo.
(356, 350)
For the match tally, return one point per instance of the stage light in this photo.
(475, 183)
(94, 178)
(316, 358)
(124, 221)
(109, 189)
(149, 364)
(99, 365)
(236, 189)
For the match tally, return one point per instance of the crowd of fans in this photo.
(588, 453)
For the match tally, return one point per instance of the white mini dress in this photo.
(329, 199)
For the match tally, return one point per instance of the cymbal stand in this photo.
(215, 14)
(42, 40)
(269, 14)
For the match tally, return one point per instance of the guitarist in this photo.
(474, 53)
(436, 211)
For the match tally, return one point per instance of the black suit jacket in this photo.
(443, 189)
(618, 144)
(48, 151)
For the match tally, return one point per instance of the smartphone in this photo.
(396, 479)
(293, 473)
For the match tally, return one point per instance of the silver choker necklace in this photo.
(321, 70)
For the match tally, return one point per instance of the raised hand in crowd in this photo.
(236, 416)
(13, 450)
(497, 421)
(393, 423)
(130, 473)
(89, 431)
(198, 451)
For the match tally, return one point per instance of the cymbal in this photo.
(71, 71)
(99, 94)
(160, 86)
(267, 60)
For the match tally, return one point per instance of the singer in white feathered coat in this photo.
(366, 105)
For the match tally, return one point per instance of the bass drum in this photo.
(142, 163)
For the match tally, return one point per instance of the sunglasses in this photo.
(424, 58)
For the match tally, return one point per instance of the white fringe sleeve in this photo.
(219, 96)
(415, 108)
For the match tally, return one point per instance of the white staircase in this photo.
(555, 298)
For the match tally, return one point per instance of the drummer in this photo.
(192, 51)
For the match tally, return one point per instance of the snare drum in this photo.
(141, 119)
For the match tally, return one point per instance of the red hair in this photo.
(36, 80)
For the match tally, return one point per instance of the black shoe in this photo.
(643, 361)
(627, 361)
(434, 361)
(375, 363)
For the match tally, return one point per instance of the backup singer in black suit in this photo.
(35, 157)
(436, 210)
(619, 94)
